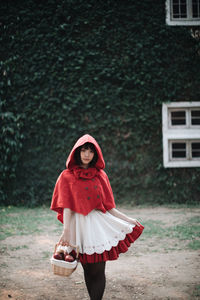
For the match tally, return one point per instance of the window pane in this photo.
(195, 117)
(179, 154)
(178, 117)
(195, 113)
(178, 150)
(195, 8)
(178, 146)
(196, 150)
(175, 11)
(195, 146)
(183, 9)
(179, 9)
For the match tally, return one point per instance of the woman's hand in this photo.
(134, 221)
(65, 237)
(115, 212)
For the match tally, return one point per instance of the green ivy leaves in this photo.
(104, 68)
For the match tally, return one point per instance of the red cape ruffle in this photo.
(114, 252)
(82, 196)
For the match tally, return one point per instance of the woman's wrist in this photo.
(129, 220)
(65, 229)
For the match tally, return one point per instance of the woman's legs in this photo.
(95, 279)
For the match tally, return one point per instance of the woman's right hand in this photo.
(65, 237)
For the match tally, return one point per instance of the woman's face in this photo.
(86, 157)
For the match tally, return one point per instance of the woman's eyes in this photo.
(83, 150)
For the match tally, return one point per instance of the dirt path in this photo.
(148, 270)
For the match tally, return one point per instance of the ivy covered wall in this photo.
(71, 67)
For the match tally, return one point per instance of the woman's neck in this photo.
(84, 166)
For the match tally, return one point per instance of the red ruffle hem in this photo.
(114, 252)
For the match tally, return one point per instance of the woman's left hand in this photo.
(134, 221)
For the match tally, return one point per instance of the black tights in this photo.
(95, 279)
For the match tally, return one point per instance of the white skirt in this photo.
(97, 232)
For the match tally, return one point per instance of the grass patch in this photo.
(153, 228)
(194, 220)
(173, 205)
(45, 254)
(181, 205)
(197, 291)
(16, 221)
(23, 221)
(188, 231)
(4, 249)
(184, 231)
(194, 245)
(3, 265)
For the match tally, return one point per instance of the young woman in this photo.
(84, 203)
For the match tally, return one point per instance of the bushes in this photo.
(104, 68)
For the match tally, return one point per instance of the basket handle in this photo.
(73, 246)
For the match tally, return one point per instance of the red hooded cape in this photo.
(83, 190)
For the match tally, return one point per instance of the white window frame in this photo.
(189, 21)
(179, 133)
(188, 150)
(188, 113)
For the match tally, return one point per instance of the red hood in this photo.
(100, 164)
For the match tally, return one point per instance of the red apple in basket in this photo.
(65, 253)
(58, 255)
(69, 258)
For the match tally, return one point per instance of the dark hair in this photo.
(77, 156)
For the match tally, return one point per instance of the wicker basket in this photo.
(64, 268)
